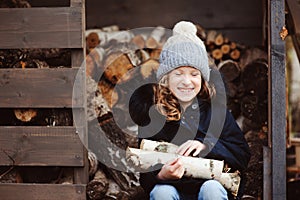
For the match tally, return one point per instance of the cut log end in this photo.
(25, 115)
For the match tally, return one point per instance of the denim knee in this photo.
(164, 192)
(212, 190)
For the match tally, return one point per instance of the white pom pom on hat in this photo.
(189, 30)
(184, 48)
(184, 27)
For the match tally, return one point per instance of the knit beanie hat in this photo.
(183, 48)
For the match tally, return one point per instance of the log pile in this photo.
(116, 67)
(35, 58)
(239, 65)
(220, 48)
(108, 142)
(244, 71)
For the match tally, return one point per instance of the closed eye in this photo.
(195, 74)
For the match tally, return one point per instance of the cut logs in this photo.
(98, 186)
(25, 115)
(245, 86)
(229, 69)
(228, 180)
(194, 167)
(220, 48)
(246, 83)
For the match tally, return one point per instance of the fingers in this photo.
(176, 164)
(173, 162)
(197, 151)
(190, 146)
(172, 170)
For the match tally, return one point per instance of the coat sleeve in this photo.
(229, 146)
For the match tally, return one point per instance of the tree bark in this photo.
(194, 167)
(230, 69)
(153, 152)
(97, 188)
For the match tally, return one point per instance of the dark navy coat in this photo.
(220, 133)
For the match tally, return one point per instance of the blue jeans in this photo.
(210, 190)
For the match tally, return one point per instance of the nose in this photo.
(186, 79)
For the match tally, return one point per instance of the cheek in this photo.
(198, 86)
(172, 84)
(172, 88)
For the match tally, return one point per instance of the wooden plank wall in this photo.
(241, 20)
(42, 192)
(41, 28)
(57, 27)
(39, 88)
(40, 146)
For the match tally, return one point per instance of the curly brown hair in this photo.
(168, 105)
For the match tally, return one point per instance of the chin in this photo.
(186, 100)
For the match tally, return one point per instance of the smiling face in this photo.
(185, 84)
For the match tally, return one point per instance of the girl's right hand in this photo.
(172, 170)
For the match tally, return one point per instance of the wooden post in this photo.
(267, 173)
(78, 61)
(277, 115)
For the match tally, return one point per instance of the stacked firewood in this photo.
(245, 74)
(221, 48)
(114, 69)
(35, 58)
(244, 70)
(118, 66)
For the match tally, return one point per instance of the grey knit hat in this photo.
(183, 48)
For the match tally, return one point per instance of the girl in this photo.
(181, 109)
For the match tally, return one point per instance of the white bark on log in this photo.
(230, 181)
(194, 167)
(151, 145)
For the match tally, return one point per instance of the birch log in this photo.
(230, 181)
(194, 167)
(151, 145)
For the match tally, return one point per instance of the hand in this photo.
(172, 170)
(190, 146)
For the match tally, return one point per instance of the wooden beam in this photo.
(267, 173)
(59, 27)
(40, 146)
(42, 191)
(40, 88)
(77, 3)
(277, 96)
(78, 58)
(81, 175)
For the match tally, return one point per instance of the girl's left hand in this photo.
(190, 146)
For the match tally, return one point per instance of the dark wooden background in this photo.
(241, 20)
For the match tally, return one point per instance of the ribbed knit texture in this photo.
(183, 50)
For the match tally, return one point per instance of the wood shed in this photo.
(66, 67)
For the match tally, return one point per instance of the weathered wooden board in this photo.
(277, 98)
(40, 146)
(41, 28)
(42, 191)
(40, 88)
(235, 15)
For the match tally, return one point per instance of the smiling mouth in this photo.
(186, 89)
